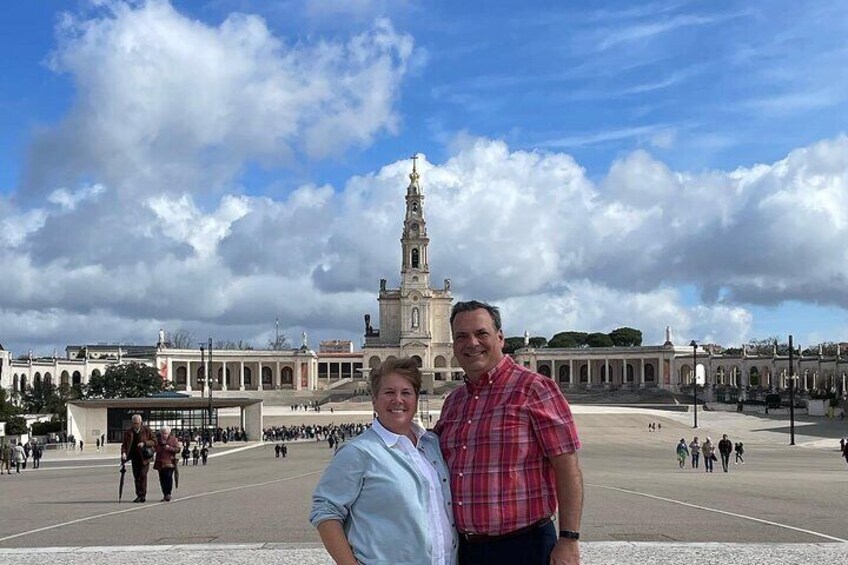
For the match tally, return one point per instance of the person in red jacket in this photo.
(167, 448)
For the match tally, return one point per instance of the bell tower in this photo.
(415, 267)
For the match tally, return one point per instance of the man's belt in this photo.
(472, 537)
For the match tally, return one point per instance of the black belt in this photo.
(471, 537)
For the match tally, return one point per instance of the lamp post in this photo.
(205, 381)
(209, 383)
(791, 394)
(695, 379)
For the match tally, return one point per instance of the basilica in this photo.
(414, 321)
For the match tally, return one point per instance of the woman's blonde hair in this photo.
(406, 367)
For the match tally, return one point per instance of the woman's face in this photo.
(396, 403)
(165, 433)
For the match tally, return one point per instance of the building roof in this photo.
(166, 402)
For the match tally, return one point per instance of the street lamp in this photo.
(695, 379)
(209, 386)
(791, 394)
(205, 382)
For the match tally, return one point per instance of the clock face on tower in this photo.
(415, 228)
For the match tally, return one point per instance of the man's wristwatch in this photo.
(568, 534)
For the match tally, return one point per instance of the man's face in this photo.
(136, 422)
(477, 345)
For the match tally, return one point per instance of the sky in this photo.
(213, 166)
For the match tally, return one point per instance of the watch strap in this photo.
(568, 534)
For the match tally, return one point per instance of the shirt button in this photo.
(460, 503)
(461, 474)
(464, 447)
(476, 397)
(469, 421)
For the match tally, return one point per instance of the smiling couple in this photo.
(481, 488)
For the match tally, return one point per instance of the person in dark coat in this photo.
(725, 448)
(135, 439)
(195, 456)
(186, 454)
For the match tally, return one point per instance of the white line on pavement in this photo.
(143, 506)
(717, 511)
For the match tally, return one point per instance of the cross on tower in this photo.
(414, 160)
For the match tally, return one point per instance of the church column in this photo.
(624, 374)
(259, 381)
(607, 375)
(276, 379)
(188, 376)
(589, 372)
(241, 374)
(642, 374)
(571, 373)
(224, 383)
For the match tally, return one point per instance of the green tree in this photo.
(38, 397)
(512, 344)
(599, 339)
(538, 342)
(626, 337)
(10, 414)
(128, 380)
(568, 339)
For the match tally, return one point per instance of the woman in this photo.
(166, 449)
(384, 498)
(682, 453)
(708, 449)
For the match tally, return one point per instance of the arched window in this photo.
(415, 259)
(418, 361)
(287, 377)
(584, 374)
(76, 379)
(649, 373)
(181, 375)
(544, 370)
(565, 374)
(630, 373)
(248, 377)
(267, 376)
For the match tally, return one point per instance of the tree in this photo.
(240, 345)
(599, 339)
(512, 344)
(128, 380)
(9, 413)
(626, 337)
(538, 342)
(181, 339)
(568, 339)
(39, 395)
(278, 343)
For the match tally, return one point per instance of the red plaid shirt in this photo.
(498, 436)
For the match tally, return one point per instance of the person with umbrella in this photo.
(167, 447)
(137, 446)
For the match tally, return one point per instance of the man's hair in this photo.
(471, 305)
(134, 416)
(406, 367)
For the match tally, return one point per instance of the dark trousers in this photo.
(166, 481)
(725, 461)
(739, 457)
(531, 548)
(695, 458)
(708, 463)
(139, 469)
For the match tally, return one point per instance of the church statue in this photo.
(447, 284)
(415, 319)
(305, 338)
(161, 338)
(368, 329)
(526, 338)
(383, 285)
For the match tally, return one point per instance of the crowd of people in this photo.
(17, 455)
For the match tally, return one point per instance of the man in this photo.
(725, 447)
(510, 444)
(695, 449)
(135, 438)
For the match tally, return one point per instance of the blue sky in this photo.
(214, 165)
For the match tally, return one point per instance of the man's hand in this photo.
(123, 457)
(566, 552)
(141, 444)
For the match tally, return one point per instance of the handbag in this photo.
(147, 452)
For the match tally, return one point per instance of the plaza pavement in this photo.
(785, 505)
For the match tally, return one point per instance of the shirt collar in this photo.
(390, 438)
(492, 375)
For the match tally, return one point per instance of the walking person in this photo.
(695, 449)
(195, 456)
(20, 457)
(708, 449)
(137, 446)
(186, 453)
(204, 454)
(725, 448)
(845, 451)
(6, 457)
(510, 443)
(739, 449)
(167, 448)
(37, 454)
(682, 453)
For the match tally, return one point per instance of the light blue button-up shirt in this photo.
(382, 500)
